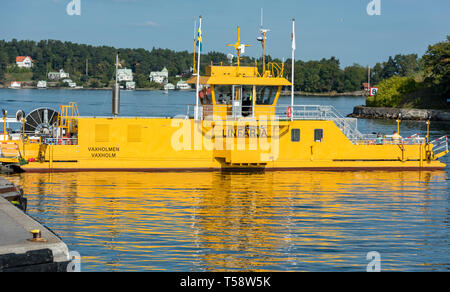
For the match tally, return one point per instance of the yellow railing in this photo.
(67, 116)
(275, 69)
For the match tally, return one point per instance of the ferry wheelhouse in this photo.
(236, 123)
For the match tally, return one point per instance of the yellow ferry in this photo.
(236, 124)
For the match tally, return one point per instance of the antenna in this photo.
(263, 39)
(240, 48)
(262, 16)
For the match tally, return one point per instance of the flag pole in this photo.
(293, 65)
(195, 44)
(199, 39)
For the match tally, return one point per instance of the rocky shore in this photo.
(393, 113)
(332, 93)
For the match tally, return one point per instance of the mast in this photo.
(238, 51)
(240, 48)
(293, 63)
(199, 39)
(263, 42)
(116, 92)
(194, 70)
(263, 32)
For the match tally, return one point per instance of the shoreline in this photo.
(324, 94)
(365, 112)
(91, 88)
(283, 93)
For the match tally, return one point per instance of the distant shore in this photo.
(283, 93)
(332, 93)
(89, 88)
(393, 113)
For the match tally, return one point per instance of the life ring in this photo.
(289, 112)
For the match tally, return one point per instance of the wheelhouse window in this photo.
(295, 135)
(265, 95)
(223, 94)
(318, 135)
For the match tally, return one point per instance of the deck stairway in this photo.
(440, 146)
(326, 112)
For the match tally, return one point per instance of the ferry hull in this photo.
(242, 169)
(159, 144)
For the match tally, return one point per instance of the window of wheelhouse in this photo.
(247, 98)
(265, 95)
(223, 94)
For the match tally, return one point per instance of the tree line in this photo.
(321, 76)
(406, 82)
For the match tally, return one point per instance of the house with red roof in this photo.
(24, 61)
(16, 84)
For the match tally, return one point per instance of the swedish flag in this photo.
(199, 38)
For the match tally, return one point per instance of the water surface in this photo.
(270, 221)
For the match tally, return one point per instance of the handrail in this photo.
(440, 145)
(373, 140)
(60, 141)
(299, 112)
(274, 68)
(348, 126)
(6, 151)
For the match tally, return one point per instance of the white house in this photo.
(58, 75)
(16, 84)
(24, 62)
(41, 84)
(169, 86)
(160, 76)
(124, 75)
(182, 85)
(130, 85)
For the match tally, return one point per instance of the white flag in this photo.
(293, 36)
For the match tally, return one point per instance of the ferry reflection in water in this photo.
(272, 221)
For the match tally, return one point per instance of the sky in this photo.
(324, 28)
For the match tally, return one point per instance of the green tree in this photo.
(391, 91)
(354, 76)
(407, 65)
(376, 74)
(3, 63)
(436, 63)
(389, 68)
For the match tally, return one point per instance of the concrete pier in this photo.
(17, 251)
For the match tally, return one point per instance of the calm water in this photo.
(274, 221)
